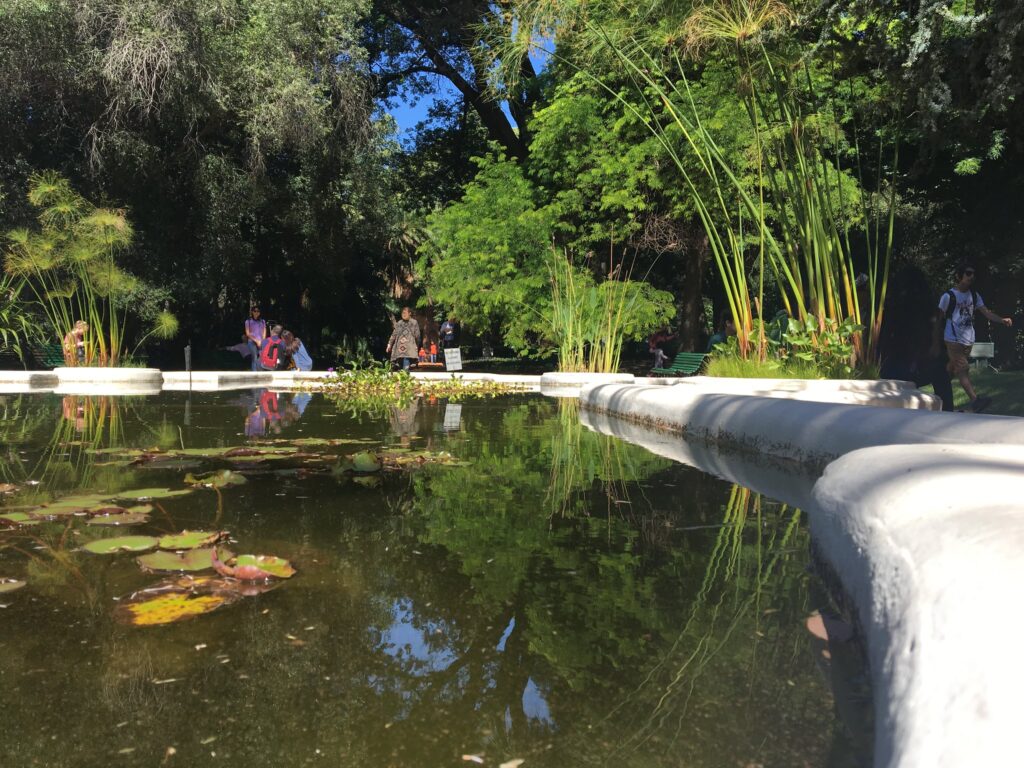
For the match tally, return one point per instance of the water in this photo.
(556, 597)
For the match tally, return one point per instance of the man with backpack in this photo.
(959, 305)
(272, 352)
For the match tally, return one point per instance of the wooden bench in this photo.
(684, 364)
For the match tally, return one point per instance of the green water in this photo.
(557, 597)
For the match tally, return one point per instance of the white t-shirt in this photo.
(960, 325)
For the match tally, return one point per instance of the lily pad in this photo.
(193, 560)
(72, 505)
(151, 493)
(151, 610)
(367, 481)
(168, 462)
(277, 567)
(19, 518)
(364, 462)
(9, 585)
(189, 540)
(119, 518)
(122, 544)
(221, 479)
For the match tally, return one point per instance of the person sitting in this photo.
(654, 342)
(74, 343)
(296, 352)
(726, 328)
(272, 354)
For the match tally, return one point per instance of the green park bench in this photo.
(48, 355)
(684, 364)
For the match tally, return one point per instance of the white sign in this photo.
(453, 359)
(453, 417)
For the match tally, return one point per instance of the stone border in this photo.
(920, 516)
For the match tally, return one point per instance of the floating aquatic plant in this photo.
(9, 585)
(220, 479)
(192, 560)
(121, 544)
(253, 567)
(190, 540)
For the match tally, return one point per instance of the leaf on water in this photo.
(367, 481)
(168, 462)
(119, 518)
(143, 494)
(261, 567)
(9, 585)
(71, 505)
(122, 544)
(169, 607)
(364, 462)
(512, 763)
(19, 518)
(192, 560)
(220, 479)
(190, 539)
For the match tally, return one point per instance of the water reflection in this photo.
(268, 412)
(562, 598)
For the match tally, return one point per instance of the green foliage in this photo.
(69, 266)
(588, 321)
(487, 255)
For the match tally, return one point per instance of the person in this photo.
(958, 306)
(74, 343)
(433, 351)
(909, 348)
(448, 333)
(272, 354)
(296, 352)
(242, 348)
(405, 340)
(726, 328)
(422, 355)
(256, 334)
(654, 342)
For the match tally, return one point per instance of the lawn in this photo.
(1006, 390)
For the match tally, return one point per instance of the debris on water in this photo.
(473, 759)
(200, 646)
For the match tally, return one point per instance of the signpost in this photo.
(453, 359)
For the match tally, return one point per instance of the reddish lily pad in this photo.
(192, 560)
(122, 544)
(190, 539)
(254, 567)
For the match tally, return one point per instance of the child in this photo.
(433, 351)
(423, 355)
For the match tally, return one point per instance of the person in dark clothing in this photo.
(908, 344)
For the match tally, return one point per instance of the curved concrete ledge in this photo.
(108, 381)
(12, 382)
(812, 433)
(928, 542)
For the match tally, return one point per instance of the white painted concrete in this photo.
(929, 542)
(27, 381)
(108, 381)
(813, 433)
(920, 515)
(214, 381)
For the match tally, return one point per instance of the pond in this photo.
(484, 582)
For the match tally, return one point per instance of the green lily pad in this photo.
(170, 462)
(122, 544)
(367, 481)
(364, 462)
(119, 518)
(220, 479)
(277, 567)
(20, 518)
(9, 585)
(190, 539)
(151, 493)
(193, 560)
(72, 505)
